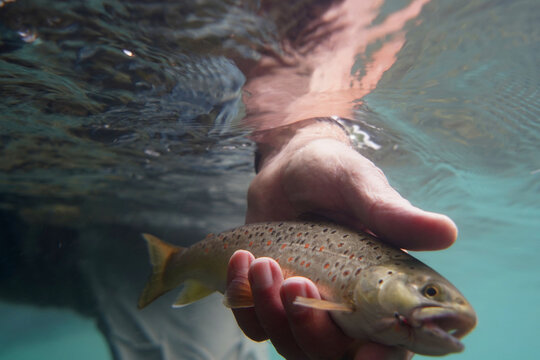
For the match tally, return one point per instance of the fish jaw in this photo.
(437, 330)
(398, 311)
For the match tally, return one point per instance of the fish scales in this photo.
(326, 253)
(372, 291)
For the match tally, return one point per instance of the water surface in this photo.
(120, 117)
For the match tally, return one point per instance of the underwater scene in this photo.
(125, 117)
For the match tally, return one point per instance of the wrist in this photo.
(291, 138)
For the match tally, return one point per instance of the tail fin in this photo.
(160, 252)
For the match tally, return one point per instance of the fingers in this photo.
(350, 189)
(315, 332)
(297, 332)
(411, 228)
(380, 208)
(246, 318)
(267, 319)
(266, 278)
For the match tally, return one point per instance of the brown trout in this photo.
(373, 291)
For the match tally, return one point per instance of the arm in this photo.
(310, 166)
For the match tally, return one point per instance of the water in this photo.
(123, 117)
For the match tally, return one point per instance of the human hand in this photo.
(316, 171)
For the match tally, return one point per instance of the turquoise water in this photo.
(98, 146)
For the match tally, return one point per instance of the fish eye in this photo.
(431, 291)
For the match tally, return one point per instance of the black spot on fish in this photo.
(375, 248)
(291, 228)
(333, 232)
(250, 236)
(397, 263)
(279, 239)
(325, 230)
(336, 264)
(381, 281)
(357, 272)
(345, 236)
(389, 273)
(297, 258)
(346, 252)
(379, 257)
(280, 224)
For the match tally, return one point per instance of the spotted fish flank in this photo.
(372, 290)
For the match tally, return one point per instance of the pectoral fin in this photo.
(238, 294)
(322, 304)
(192, 291)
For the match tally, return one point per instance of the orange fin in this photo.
(160, 252)
(238, 294)
(322, 304)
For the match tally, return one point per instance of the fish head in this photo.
(412, 306)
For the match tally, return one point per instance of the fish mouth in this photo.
(445, 326)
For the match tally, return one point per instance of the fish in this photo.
(373, 291)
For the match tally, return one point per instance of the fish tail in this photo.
(160, 253)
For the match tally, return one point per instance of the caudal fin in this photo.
(160, 253)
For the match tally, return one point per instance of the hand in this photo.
(316, 171)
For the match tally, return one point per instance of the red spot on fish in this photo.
(299, 234)
(271, 229)
(308, 264)
(340, 245)
(360, 257)
(290, 259)
(277, 260)
(351, 257)
(250, 244)
(306, 246)
(269, 242)
(346, 273)
(302, 263)
(283, 246)
(206, 250)
(321, 248)
(327, 265)
(225, 245)
(246, 232)
(334, 278)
